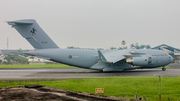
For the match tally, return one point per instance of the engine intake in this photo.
(139, 61)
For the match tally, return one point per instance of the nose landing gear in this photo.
(163, 69)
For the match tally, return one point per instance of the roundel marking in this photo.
(70, 56)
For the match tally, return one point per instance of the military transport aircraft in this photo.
(103, 60)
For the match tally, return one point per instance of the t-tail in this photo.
(33, 33)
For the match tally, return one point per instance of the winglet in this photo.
(101, 57)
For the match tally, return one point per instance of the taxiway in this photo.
(64, 73)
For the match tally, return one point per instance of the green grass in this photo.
(168, 67)
(171, 67)
(115, 86)
(37, 66)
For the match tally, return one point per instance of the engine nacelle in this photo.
(138, 61)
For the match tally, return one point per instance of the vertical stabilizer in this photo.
(33, 33)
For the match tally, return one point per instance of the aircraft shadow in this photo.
(88, 72)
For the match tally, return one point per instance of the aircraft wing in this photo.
(115, 56)
(134, 54)
(112, 57)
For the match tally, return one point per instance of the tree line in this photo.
(10, 59)
(14, 57)
(135, 46)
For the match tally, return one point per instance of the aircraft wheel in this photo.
(163, 69)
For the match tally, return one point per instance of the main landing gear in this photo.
(163, 69)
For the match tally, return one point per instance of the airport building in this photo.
(174, 52)
(3, 51)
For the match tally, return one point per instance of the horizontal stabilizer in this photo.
(43, 57)
(25, 22)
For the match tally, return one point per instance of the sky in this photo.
(94, 23)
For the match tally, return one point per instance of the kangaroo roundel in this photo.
(33, 31)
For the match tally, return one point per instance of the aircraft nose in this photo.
(171, 59)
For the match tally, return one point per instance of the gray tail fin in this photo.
(33, 33)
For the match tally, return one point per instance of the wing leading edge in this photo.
(115, 56)
(111, 57)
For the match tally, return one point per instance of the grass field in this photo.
(169, 67)
(115, 86)
(37, 66)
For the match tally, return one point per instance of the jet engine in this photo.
(139, 61)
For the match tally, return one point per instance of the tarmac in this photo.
(51, 94)
(66, 73)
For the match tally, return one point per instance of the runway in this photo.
(64, 73)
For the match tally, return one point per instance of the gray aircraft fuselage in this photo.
(88, 58)
(103, 60)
